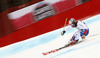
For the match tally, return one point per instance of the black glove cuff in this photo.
(64, 31)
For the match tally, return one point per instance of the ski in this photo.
(55, 50)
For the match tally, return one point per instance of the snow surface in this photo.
(34, 47)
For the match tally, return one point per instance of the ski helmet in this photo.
(72, 21)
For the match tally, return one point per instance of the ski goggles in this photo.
(71, 24)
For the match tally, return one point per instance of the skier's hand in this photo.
(63, 32)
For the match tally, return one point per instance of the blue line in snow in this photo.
(39, 40)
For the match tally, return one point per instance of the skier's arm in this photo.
(66, 28)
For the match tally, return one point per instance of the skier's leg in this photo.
(84, 33)
(74, 38)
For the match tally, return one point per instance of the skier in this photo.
(82, 32)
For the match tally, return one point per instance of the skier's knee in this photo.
(73, 37)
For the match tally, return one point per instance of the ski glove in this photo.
(63, 32)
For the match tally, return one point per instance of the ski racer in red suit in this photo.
(82, 32)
